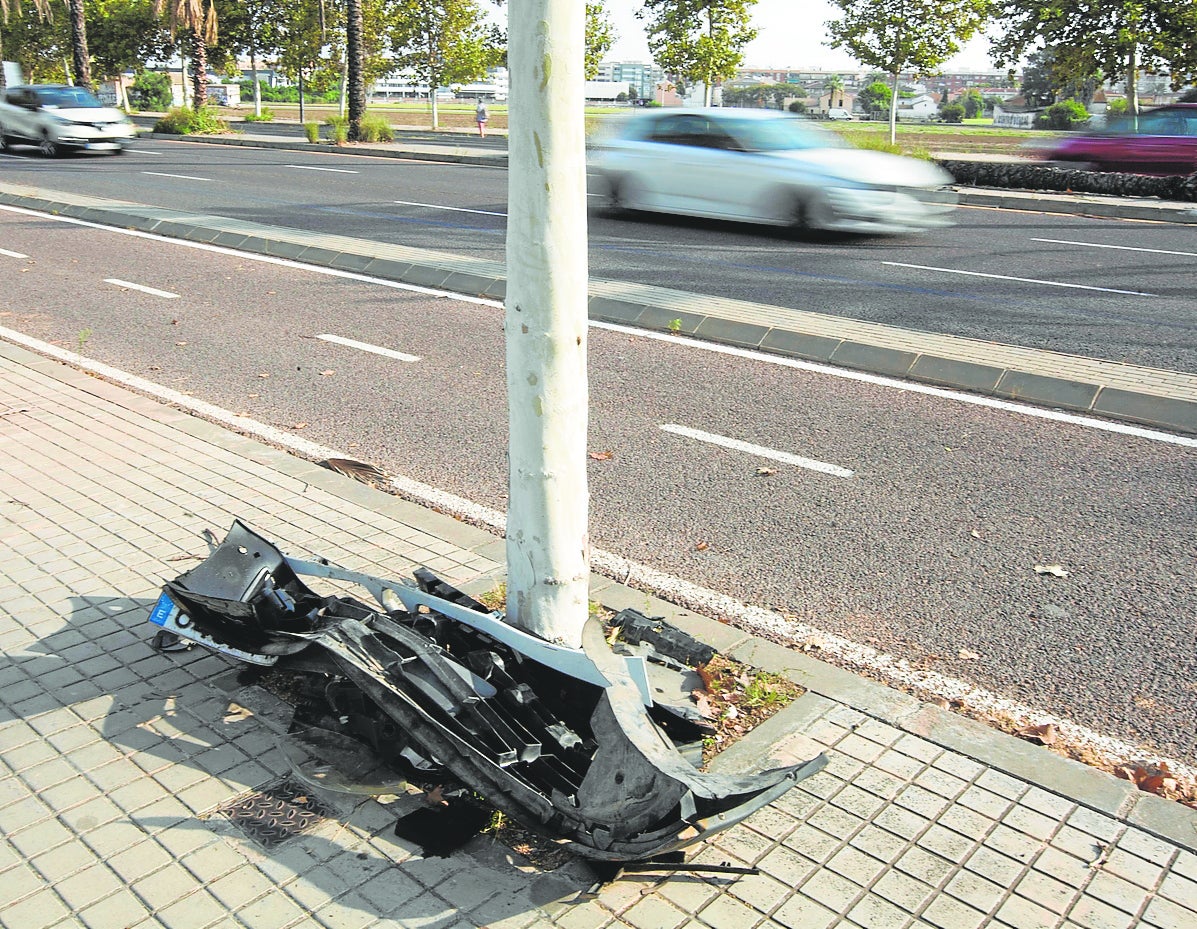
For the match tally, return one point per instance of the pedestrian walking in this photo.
(481, 116)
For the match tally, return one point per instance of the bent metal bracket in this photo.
(568, 742)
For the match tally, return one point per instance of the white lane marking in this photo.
(676, 590)
(367, 347)
(759, 450)
(313, 168)
(1024, 280)
(143, 151)
(1007, 406)
(145, 290)
(182, 177)
(1123, 248)
(454, 209)
(7, 253)
(879, 380)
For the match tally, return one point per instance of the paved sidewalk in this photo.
(1125, 392)
(114, 759)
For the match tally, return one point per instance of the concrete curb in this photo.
(1127, 393)
(825, 684)
(433, 153)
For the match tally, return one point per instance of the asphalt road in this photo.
(1112, 289)
(927, 549)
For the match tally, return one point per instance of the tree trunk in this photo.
(548, 548)
(1132, 84)
(301, 113)
(199, 69)
(355, 66)
(893, 112)
(253, 61)
(79, 57)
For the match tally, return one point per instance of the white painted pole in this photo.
(548, 548)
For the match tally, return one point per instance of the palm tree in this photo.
(834, 85)
(354, 80)
(199, 24)
(41, 7)
(79, 55)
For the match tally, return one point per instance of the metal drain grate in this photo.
(276, 812)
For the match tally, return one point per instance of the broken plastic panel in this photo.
(439, 689)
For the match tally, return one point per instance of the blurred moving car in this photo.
(763, 166)
(1164, 142)
(58, 118)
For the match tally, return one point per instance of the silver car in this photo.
(58, 118)
(763, 166)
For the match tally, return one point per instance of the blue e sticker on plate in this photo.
(162, 610)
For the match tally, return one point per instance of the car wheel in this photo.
(621, 197)
(810, 214)
(48, 147)
(4, 147)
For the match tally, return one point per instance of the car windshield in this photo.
(779, 135)
(67, 98)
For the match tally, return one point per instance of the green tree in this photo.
(951, 112)
(698, 40)
(973, 103)
(305, 37)
(442, 42)
(151, 91)
(1118, 108)
(1067, 114)
(1047, 78)
(600, 36)
(123, 35)
(901, 35)
(40, 7)
(198, 24)
(38, 42)
(875, 98)
(1116, 37)
(834, 85)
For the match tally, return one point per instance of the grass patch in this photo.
(186, 121)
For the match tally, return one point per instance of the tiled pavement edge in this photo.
(1154, 397)
(114, 758)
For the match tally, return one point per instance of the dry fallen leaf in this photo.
(300, 426)
(263, 375)
(327, 373)
(701, 546)
(708, 679)
(180, 343)
(1054, 570)
(812, 643)
(766, 471)
(975, 534)
(602, 456)
(968, 655)
(705, 709)
(434, 797)
(731, 712)
(1043, 735)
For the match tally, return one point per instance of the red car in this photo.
(1165, 142)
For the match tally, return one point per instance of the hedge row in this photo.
(1046, 177)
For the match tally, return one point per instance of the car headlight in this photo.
(60, 120)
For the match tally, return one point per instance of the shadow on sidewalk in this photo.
(183, 721)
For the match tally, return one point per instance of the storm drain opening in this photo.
(276, 812)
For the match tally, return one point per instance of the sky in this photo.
(790, 35)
